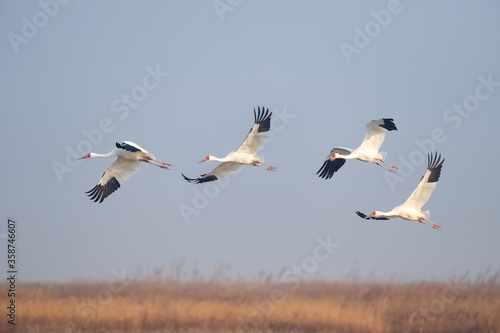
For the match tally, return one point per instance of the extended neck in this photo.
(95, 155)
(348, 157)
(389, 215)
(213, 158)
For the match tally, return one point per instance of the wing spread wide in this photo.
(118, 172)
(375, 133)
(258, 132)
(330, 166)
(427, 183)
(220, 171)
(101, 192)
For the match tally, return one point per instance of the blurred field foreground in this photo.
(159, 304)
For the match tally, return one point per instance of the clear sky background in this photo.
(67, 69)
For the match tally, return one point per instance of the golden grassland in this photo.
(162, 304)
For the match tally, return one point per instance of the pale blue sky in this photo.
(74, 72)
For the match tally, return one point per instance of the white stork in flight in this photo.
(366, 152)
(130, 155)
(245, 154)
(410, 210)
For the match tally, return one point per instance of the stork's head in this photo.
(330, 157)
(205, 159)
(86, 156)
(335, 155)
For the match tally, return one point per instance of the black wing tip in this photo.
(435, 160)
(127, 147)
(190, 180)
(325, 171)
(100, 192)
(322, 171)
(329, 167)
(200, 180)
(262, 118)
(434, 165)
(363, 216)
(389, 124)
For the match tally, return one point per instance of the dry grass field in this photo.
(159, 304)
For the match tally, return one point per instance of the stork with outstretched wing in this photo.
(130, 155)
(366, 152)
(411, 209)
(245, 154)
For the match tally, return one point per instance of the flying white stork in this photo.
(130, 155)
(366, 152)
(245, 154)
(410, 210)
